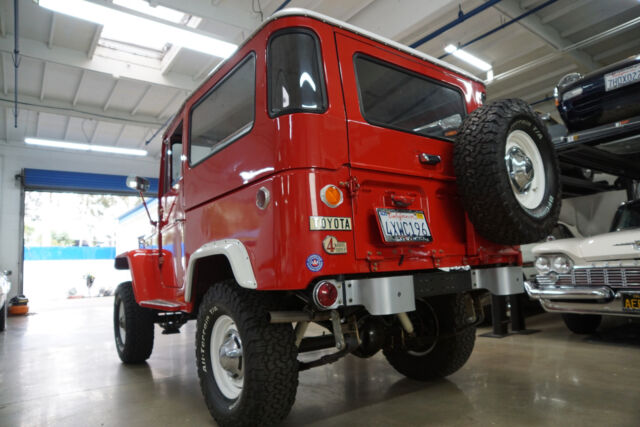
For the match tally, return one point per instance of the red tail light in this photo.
(325, 294)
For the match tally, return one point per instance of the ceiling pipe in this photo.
(461, 18)
(506, 24)
(282, 6)
(16, 61)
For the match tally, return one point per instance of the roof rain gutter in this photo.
(461, 18)
(506, 24)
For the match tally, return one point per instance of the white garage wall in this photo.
(15, 156)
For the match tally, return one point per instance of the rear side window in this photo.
(402, 100)
(225, 113)
(296, 82)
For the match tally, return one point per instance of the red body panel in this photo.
(296, 155)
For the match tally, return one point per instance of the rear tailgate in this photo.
(402, 114)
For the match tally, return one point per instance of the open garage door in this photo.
(78, 182)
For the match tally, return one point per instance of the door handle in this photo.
(429, 159)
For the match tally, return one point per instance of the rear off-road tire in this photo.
(582, 323)
(449, 347)
(248, 367)
(133, 326)
(507, 173)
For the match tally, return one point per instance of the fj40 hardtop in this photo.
(325, 175)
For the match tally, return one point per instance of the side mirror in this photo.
(138, 183)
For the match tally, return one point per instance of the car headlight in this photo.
(543, 265)
(561, 264)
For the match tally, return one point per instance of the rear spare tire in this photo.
(507, 173)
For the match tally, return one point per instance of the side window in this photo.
(225, 113)
(296, 82)
(406, 101)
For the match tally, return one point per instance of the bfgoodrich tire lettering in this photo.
(133, 326)
(488, 194)
(269, 365)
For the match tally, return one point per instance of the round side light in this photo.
(325, 294)
(331, 196)
(263, 197)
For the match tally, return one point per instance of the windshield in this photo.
(627, 216)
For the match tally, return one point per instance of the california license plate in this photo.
(631, 303)
(399, 225)
(621, 78)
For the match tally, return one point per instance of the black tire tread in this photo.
(271, 366)
(451, 352)
(582, 323)
(139, 326)
(482, 180)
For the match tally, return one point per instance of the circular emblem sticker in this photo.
(314, 262)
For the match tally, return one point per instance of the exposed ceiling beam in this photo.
(94, 41)
(66, 128)
(204, 71)
(169, 59)
(52, 30)
(141, 100)
(600, 12)
(43, 83)
(607, 53)
(570, 6)
(77, 59)
(32, 103)
(512, 9)
(110, 97)
(5, 72)
(356, 9)
(94, 134)
(79, 88)
(37, 124)
(513, 89)
(117, 140)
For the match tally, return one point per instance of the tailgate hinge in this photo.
(352, 185)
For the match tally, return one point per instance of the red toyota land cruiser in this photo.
(326, 175)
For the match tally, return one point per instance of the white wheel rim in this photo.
(534, 193)
(122, 322)
(229, 384)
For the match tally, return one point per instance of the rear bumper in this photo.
(581, 300)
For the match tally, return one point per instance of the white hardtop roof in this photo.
(294, 11)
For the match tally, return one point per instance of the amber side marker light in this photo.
(331, 196)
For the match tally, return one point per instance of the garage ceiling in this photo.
(75, 85)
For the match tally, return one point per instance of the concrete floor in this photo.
(59, 368)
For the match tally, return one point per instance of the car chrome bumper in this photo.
(582, 300)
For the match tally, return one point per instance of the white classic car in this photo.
(588, 277)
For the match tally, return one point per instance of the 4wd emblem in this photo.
(332, 246)
(329, 223)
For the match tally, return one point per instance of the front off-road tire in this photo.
(508, 173)
(444, 342)
(247, 366)
(133, 326)
(582, 323)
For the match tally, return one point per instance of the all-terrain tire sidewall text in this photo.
(270, 366)
(483, 179)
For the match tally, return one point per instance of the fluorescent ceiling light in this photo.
(467, 57)
(489, 75)
(84, 147)
(139, 30)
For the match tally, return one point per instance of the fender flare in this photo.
(238, 257)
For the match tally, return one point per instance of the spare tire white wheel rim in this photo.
(525, 169)
(227, 362)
